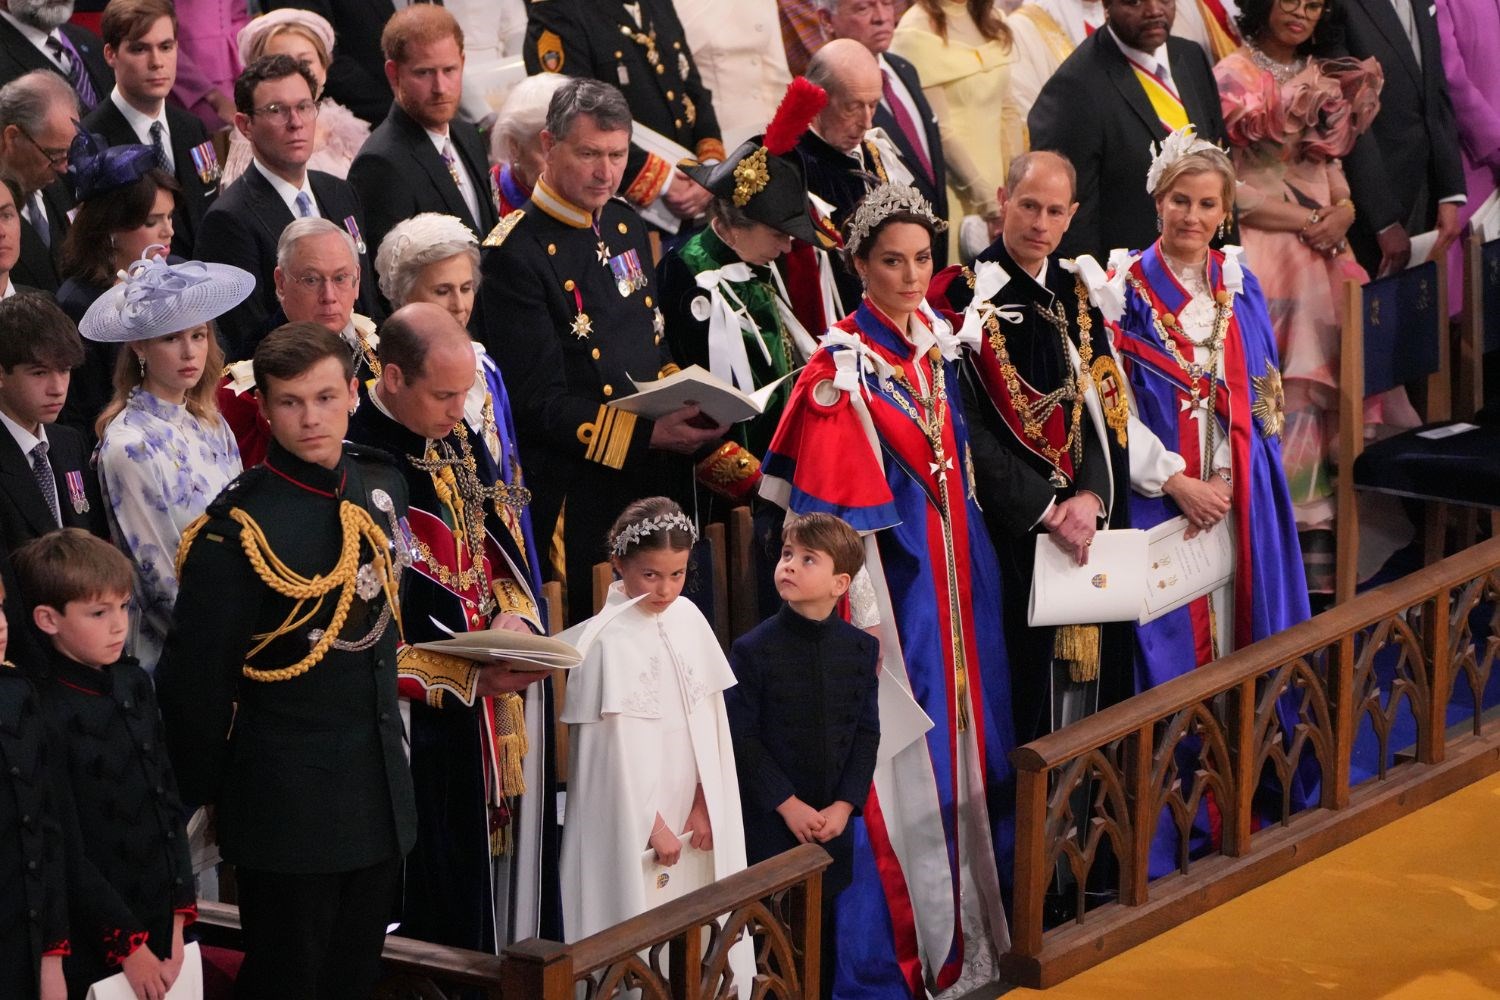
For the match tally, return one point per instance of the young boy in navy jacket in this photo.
(804, 715)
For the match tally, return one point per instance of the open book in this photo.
(715, 397)
(523, 650)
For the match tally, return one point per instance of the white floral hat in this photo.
(156, 298)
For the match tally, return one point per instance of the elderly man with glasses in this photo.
(277, 114)
(37, 116)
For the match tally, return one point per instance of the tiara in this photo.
(882, 203)
(1182, 142)
(633, 533)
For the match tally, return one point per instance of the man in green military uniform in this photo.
(640, 47)
(278, 683)
(568, 309)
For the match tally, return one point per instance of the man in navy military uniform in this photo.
(641, 48)
(568, 309)
(278, 683)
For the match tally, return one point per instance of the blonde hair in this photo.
(202, 399)
(292, 28)
(1203, 160)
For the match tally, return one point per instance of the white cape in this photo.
(632, 660)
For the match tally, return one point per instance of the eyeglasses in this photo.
(1312, 8)
(283, 112)
(56, 157)
(343, 281)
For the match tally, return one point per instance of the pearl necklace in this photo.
(1282, 72)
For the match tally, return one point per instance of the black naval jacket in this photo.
(33, 875)
(555, 320)
(806, 722)
(134, 872)
(308, 774)
(598, 39)
(841, 179)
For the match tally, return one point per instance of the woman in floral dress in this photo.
(1290, 116)
(164, 450)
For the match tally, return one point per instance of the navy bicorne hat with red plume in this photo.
(763, 177)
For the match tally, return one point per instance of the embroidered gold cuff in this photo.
(647, 185)
(730, 471)
(710, 149)
(607, 437)
(439, 672)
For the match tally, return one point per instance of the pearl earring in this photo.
(141, 363)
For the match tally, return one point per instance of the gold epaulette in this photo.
(503, 227)
(607, 436)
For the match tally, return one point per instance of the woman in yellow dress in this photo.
(965, 53)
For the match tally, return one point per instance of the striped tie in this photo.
(67, 57)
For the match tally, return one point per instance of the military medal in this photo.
(582, 325)
(353, 229)
(206, 162)
(630, 276)
(75, 492)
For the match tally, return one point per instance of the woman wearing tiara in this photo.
(1191, 326)
(874, 433)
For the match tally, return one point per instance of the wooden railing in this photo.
(678, 951)
(1408, 647)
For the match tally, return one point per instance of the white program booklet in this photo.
(1179, 569)
(721, 401)
(189, 984)
(1108, 588)
(694, 870)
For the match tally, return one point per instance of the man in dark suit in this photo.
(277, 114)
(421, 159)
(140, 45)
(1405, 174)
(36, 35)
(903, 113)
(356, 77)
(45, 479)
(1124, 88)
(641, 49)
(37, 113)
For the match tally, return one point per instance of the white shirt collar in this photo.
(289, 192)
(36, 36)
(10, 287)
(140, 123)
(439, 139)
(24, 438)
(1149, 60)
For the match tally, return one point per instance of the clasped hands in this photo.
(811, 825)
(1204, 503)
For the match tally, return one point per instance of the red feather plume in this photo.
(794, 114)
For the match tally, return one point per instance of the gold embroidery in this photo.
(1270, 402)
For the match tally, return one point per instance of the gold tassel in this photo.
(501, 841)
(510, 742)
(1078, 645)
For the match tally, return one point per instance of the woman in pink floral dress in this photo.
(1290, 116)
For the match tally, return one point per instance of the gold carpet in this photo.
(1409, 912)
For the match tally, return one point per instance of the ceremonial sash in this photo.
(1164, 100)
(1222, 36)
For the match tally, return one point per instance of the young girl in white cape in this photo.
(651, 765)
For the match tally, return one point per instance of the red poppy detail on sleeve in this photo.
(62, 947)
(118, 945)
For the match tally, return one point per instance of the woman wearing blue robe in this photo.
(874, 433)
(1195, 339)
